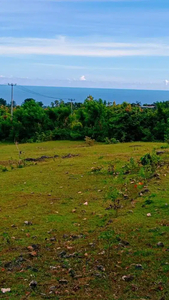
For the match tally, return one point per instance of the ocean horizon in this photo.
(48, 94)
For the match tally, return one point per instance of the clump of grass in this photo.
(96, 169)
(89, 141)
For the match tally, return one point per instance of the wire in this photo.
(39, 94)
(33, 92)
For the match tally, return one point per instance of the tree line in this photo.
(32, 122)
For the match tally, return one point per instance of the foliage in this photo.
(32, 121)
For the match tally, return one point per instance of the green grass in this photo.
(50, 194)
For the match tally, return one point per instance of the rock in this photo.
(130, 212)
(86, 203)
(101, 268)
(160, 244)
(144, 192)
(52, 288)
(74, 237)
(28, 223)
(125, 243)
(13, 225)
(127, 278)
(35, 246)
(53, 268)
(63, 281)
(33, 284)
(62, 254)
(53, 239)
(3, 290)
(102, 252)
(149, 215)
(138, 267)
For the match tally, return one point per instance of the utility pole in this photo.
(12, 85)
(71, 104)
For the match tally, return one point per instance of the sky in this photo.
(85, 43)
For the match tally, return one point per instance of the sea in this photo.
(48, 94)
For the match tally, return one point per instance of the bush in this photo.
(114, 141)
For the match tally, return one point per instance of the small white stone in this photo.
(149, 215)
(5, 290)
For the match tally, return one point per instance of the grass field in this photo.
(81, 227)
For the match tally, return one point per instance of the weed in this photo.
(108, 239)
(89, 141)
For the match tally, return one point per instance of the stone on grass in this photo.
(127, 278)
(63, 281)
(101, 268)
(33, 284)
(160, 244)
(149, 215)
(138, 267)
(28, 223)
(3, 290)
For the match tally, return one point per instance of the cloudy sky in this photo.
(92, 43)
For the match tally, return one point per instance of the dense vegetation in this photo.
(111, 123)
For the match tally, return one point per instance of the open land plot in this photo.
(79, 222)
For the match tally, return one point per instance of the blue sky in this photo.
(110, 43)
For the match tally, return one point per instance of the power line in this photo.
(35, 93)
(25, 89)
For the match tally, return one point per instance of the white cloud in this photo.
(75, 47)
(166, 82)
(83, 78)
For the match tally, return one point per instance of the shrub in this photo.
(114, 141)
